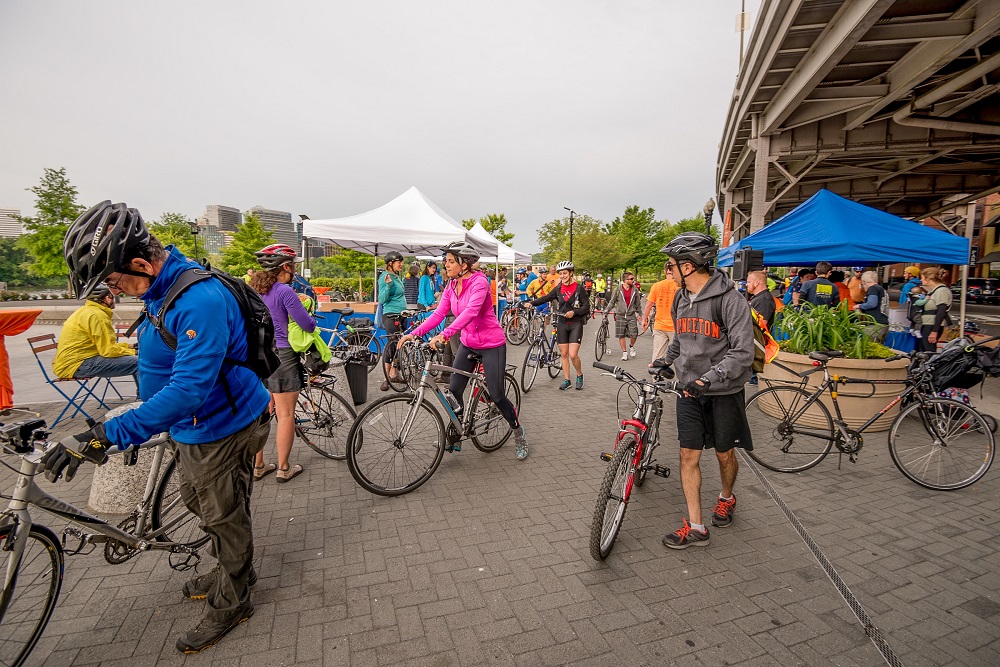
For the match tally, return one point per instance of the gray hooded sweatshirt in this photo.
(720, 351)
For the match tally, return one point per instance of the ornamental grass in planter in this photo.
(822, 328)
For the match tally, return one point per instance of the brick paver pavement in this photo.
(488, 564)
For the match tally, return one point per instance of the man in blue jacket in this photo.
(214, 437)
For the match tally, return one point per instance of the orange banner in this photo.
(727, 228)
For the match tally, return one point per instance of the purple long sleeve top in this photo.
(283, 303)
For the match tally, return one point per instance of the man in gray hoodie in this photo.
(711, 354)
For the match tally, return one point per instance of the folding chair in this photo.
(84, 391)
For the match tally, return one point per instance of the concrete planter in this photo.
(856, 405)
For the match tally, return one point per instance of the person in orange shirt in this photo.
(661, 294)
(854, 284)
(837, 278)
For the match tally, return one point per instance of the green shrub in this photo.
(823, 328)
(346, 285)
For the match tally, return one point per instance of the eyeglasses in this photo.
(114, 285)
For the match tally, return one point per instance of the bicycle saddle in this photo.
(475, 357)
(344, 312)
(825, 356)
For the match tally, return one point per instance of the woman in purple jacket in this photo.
(468, 297)
(277, 262)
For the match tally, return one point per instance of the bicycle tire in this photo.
(516, 330)
(942, 464)
(379, 449)
(784, 441)
(529, 367)
(601, 343)
(609, 513)
(22, 619)
(554, 364)
(360, 341)
(499, 426)
(170, 520)
(323, 418)
(399, 383)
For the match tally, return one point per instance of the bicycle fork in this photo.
(638, 429)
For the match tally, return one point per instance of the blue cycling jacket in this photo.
(181, 390)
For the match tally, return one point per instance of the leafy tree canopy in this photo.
(250, 236)
(12, 259)
(495, 224)
(354, 262)
(175, 228)
(56, 207)
(593, 247)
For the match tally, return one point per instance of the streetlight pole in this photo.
(194, 233)
(572, 214)
(707, 210)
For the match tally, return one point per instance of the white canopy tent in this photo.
(504, 254)
(411, 224)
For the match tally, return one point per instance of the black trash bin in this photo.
(357, 379)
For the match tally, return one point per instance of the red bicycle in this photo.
(632, 457)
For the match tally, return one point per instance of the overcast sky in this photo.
(334, 108)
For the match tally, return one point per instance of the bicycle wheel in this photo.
(363, 344)
(612, 499)
(395, 371)
(787, 437)
(529, 367)
(380, 461)
(323, 418)
(949, 446)
(516, 330)
(490, 430)
(29, 597)
(601, 344)
(170, 520)
(555, 362)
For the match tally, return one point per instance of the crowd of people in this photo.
(195, 380)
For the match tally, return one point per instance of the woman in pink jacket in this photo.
(469, 298)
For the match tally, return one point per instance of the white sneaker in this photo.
(624, 356)
(632, 351)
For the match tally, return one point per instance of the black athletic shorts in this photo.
(288, 377)
(569, 332)
(718, 422)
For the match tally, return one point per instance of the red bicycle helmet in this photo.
(276, 255)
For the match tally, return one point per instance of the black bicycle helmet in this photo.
(99, 293)
(695, 247)
(96, 243)
(393, 256)
(463, 250)
(275, 255)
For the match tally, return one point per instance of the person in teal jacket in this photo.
(427, 285)
(392, 296)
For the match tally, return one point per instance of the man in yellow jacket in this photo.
(87, 345)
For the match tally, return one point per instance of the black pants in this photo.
(922, 344)
(494, 366)
(216, 480)
(393, 324)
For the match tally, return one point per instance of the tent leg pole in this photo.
(970, 222)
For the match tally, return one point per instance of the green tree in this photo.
(495, 224)
(640, 236)
(175, 228)
(250, 236)
(56, 208)
(12, 259)
(694, 224)
(593, 247)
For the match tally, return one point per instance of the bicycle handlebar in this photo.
(621, 374)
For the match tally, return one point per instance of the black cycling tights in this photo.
(494, 366)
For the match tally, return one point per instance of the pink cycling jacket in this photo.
(474, 315)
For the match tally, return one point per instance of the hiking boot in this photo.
(208, 632)
(521, 443)
(198, 588)
(566, 384)
(579, 382)
(685, 537)
(722, 513)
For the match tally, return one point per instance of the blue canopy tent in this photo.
(829, 228)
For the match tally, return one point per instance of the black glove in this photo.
(696, 388)
(67, 454)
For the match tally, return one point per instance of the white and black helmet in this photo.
(462, 250)
(565, 265)
(695, 247)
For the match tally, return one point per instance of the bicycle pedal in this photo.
(606, 457)
(661, 471)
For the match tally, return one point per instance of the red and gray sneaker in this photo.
(685, 537)
(722, 513)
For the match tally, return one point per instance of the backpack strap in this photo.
(183, 281)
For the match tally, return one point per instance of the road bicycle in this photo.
(323, 417)
(601, 342)
(34, 558)
(632, 457)
(542, 353)
(358, 343)
(397, 442)
(518, 323)
(939, 443)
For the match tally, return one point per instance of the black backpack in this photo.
(262, 354)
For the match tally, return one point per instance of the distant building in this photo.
(281, 225)
(210, 237)
(224, 218)
(9, 223)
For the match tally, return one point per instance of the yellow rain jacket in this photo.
(87, 333)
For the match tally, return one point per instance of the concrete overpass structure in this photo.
(893, 103)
